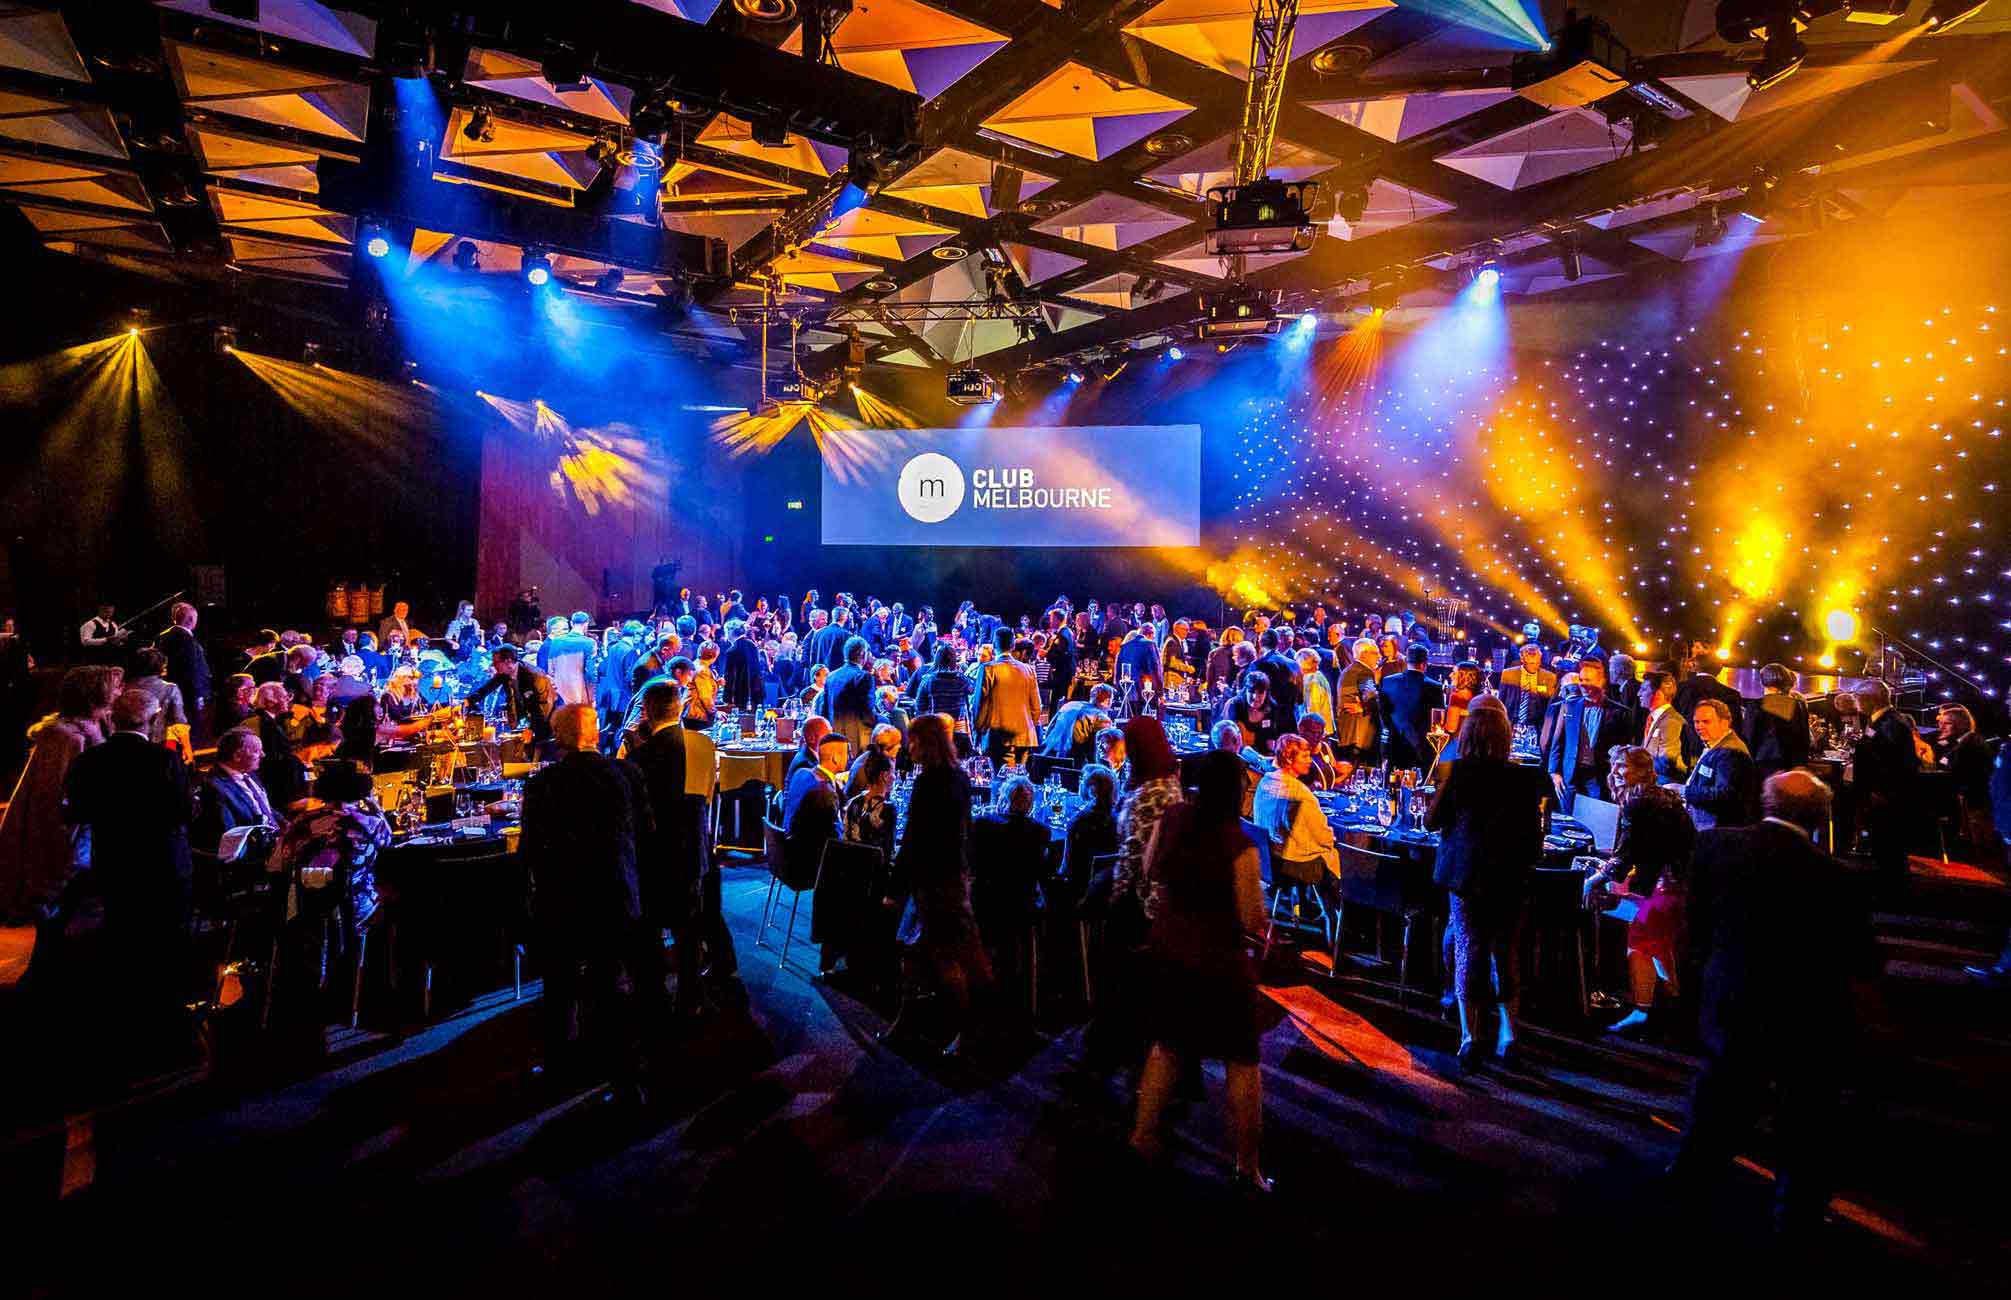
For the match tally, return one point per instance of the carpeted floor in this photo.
(783, 1146)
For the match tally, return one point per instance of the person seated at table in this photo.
(811, 810)
(869, 809)
(233, 703)
(1303, 851)
(1325, 773)
(888, 710)
(1489, 813)
(528, 698)
(1255, 712)
(1093, 831)
(1230, 738)
(327, 857)
(402, 702)
(359, 732)
(1008, 858)
(1071, 734)
(231, 795)
(1110, 748)
(886, 739)
(1775, 728)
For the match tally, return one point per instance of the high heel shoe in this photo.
(1468, 1055)
(1254, 1184)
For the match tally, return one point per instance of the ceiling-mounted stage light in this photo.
(1568, 257)
(480, 126)
(1877, 13)
(970, 386)
(767, 11)
(376, 243)
(1175, 353)
(770, 130)
(1782, 54)
(310, 353)
(537, 269)
(224, 338)
(1265, 216)
(1239, 311)
(609, 280)
(1942, 15)
(1710, 225)
(564, 69)
(1073, 376)
(467, 257)
(1487, 276)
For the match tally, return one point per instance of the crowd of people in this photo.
(1722, 823)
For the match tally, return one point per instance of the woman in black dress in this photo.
(1202, 1002)
(1777, 724)
(938, 930)
(1490, 815)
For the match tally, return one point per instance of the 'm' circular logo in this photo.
(931, 487)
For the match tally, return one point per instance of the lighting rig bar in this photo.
(904, 313)
(1270, 58)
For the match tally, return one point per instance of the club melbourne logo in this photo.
(931, 487)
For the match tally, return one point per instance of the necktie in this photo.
(258, 799)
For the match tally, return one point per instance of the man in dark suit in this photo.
(188, 668)
(138, 801)
(1408, 699)
(264, 659)
(810, 812)
(1781, 953)
(1139, 656)
(584, 816)
(1528, 689)
(1724, 786)
(1587, 729)
(1699, 683)
(528, 697)
(1885, 774)
(1283, 672)
(741, 667)
(1060, 657)
(848, 695)
(232, 795)
(829, 645)
(672, 860)
(1358, 706)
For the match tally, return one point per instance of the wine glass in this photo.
(1386, 811)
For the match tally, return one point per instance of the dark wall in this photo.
(114, 483)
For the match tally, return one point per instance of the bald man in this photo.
(1781, 952)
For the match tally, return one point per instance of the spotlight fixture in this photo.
(970, 386)
(1782, 54)
(224, 338)
(404, 47)
(467, 257)
(770, 130)
(1175, 353)
(882, 284)
(537, 269)
(949, 252)
(1073, 376)
(1567, 256)
(862, 166)
(1238, 312)
(1265, 216)
(480, 126)
(564, 69)
(1584, 65)
(1877, 13)
(1841, 625)
(1487, 276)
(1710, 225)
(1779, 23)
(1942, 15)
(1341, 60)
(767, 11)
(310, 353)
(1351, 202)
(609, 281)
(604, 151)
(376, 242)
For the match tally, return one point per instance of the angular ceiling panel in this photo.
(521, 78)
(1077, 111)
(1037, 264)
(81, 130)
(1572, 141)
(1113, 221)
(1216, 33)
(909, 45)
(956, 181)
(1214, 163)
(797, 153)
(306, 21)
(37, 41)
(1397, 118)
(881, 235)
(1390, 205)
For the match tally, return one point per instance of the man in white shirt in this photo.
(101, 637)
(232, 795)
(395, 622)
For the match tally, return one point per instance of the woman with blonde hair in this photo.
(39, 850)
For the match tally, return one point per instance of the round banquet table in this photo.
(459, 902)
(774, 756)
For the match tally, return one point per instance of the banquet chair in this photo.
(1100, 866)
(1039, 765)
(1375, 880)
(1557, 910)
(854, 872)
(736, 773)
(772, 845)
(779, 880)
